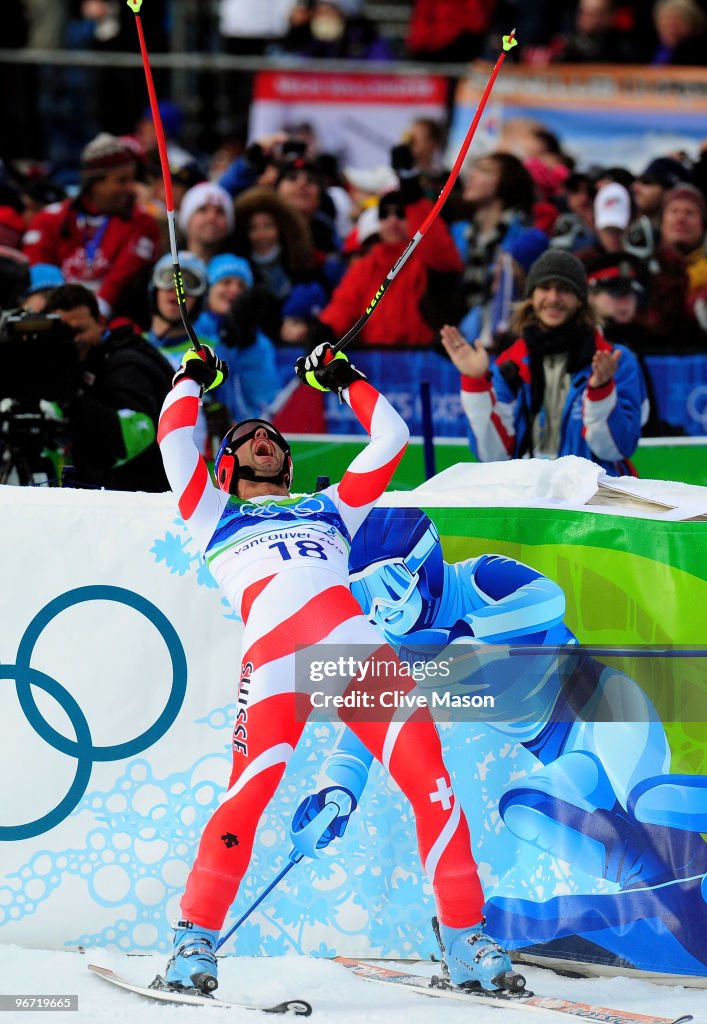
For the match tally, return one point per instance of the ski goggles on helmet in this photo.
(163, 279)
(245, 431)
(384, 586)
(226, 468)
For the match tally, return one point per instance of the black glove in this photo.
(256, 159)
(326, 370)
(248, 312)
(203, 366)
(402, 161)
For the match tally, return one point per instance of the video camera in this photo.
(40, 367)
(38, 357)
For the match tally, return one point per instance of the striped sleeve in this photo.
(200, 501)
(372, 470)
(490, 421)
(612, 415)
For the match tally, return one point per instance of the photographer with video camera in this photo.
(120, 384)
(38, 361)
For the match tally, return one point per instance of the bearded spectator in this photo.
(102, 239)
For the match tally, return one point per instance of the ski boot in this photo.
(192, 964)
(472, 960)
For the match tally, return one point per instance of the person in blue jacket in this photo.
(230, 323)
(559, 388)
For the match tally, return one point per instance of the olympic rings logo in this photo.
(82, 747)
(308, 507)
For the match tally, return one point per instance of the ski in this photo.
(504, 1000)
(298, 1007)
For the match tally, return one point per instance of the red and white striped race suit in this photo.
(283, 564)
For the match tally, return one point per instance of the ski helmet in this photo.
(396, 568)
(226, 466)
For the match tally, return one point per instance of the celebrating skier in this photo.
(282, 561)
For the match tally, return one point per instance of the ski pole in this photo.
(307, 840)
(509, 42)
(294, 858)
(135, 6)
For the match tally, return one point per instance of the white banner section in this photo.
(119, 661)
(357, 117)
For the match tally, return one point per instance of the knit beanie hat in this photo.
(306, 300)
(171, 116)
(555, 265)
(206, 193)
(526, 246)
(103, 154)
(44, 275)
(688, 194)
(230, 265)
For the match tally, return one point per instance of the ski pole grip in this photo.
(305, 839)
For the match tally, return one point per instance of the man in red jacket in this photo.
(398, 321)
(101, 239)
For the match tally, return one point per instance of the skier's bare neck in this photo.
(259, 488)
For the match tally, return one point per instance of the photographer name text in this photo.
(400, 699)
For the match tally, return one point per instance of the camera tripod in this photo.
(26, 435)
(17, 468)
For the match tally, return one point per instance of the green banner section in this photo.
(627, 582)
(686, 463)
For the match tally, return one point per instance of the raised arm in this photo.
(372, 470)
(489, 410)
(200, 501)
(615, 405)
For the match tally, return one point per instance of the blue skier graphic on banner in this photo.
(600, 796)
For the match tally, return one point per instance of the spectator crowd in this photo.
(544, 281)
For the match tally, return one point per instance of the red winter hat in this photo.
(687, 194)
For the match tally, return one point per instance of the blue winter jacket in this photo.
(601, 424)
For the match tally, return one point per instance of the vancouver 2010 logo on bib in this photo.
(310, 506)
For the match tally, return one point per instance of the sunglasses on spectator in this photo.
(392, 211)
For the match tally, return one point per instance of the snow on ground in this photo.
(336, 996)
